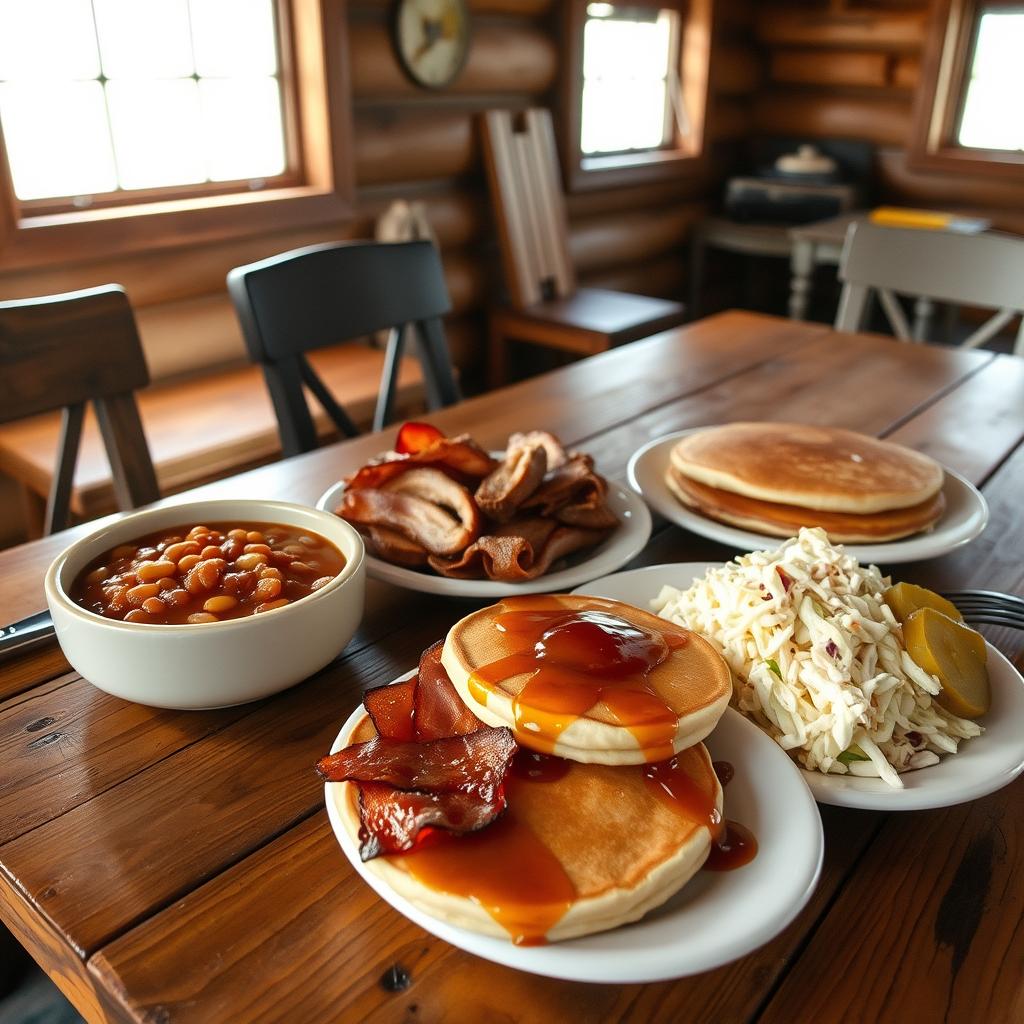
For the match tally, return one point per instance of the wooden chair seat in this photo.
(202, 428)
(600, 318)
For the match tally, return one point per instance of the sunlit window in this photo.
(993, 112)
(100, 97)
(627, 78)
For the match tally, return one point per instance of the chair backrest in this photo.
(310, 298)
(62, 351)
(522, 168)
(968, 270)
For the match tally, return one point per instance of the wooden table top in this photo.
(179, 866)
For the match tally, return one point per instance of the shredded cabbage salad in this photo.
(818, 660)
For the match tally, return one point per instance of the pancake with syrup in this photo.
(581, 848)
(588, 679)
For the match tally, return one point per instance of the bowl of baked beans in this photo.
(208, 604)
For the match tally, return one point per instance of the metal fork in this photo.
(989, 607)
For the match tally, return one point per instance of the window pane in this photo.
(234, 37)
(625, 81)
(242, 128)
(144, 38)
(47, 39)
(157, 133)
(993, 115)
(622, 115)
(57, 139)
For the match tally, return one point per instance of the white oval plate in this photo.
(716, 917)
(624, 543)
(965, 517)
(981, 766)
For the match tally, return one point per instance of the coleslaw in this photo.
(818, 659)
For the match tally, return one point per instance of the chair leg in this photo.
(437, 365)
(497, 356)
(389, 378)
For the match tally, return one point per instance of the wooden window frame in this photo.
(316, 87)
(949, 46)
(682, 154)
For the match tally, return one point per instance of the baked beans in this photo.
(207, 573)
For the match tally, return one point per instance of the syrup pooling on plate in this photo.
(575, 660)
(506, 869)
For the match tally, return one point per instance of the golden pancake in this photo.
(588, 679)
(785, 520)
(797, 464)
(581, 849)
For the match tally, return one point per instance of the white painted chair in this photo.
(984, 270)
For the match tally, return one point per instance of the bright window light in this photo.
(993, 116)
(105, 96)
(627, 57)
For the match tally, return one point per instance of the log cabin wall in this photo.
(850, 70)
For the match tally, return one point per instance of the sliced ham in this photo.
(518, 476)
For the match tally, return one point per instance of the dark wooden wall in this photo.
(851, 70)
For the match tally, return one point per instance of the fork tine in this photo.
(995, 619)
(984, 595)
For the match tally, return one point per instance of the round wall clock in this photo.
(432, 39)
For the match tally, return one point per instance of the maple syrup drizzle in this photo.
(575, 660)
(505, 868)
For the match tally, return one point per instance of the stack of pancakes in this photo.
(614, 845)
(773, 478)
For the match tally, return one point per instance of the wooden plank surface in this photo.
(185, 859)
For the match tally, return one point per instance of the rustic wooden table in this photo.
(171, 866)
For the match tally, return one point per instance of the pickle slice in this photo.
(905, 598)
(956, 655)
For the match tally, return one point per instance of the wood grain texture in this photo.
(779, 24)
(878, 119)
(817, 67)
(231, 896)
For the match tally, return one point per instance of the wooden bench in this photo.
(199, 429)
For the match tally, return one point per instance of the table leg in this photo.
(801, 265)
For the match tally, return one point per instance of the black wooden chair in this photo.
(324, 294)
(62, 351)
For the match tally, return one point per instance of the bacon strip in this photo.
(392, 709)
(458, 456)
(437, 708)
(392, 822)
(390, 545)
(474, 764)
(574, 483)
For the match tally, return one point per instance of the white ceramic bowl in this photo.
(210, 664)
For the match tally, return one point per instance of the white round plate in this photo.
(716, 917)
(965, 517)
(625, 543)
(981, 765)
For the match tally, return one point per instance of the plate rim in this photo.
(894, 552)
(830, 789)
(633, 539)
(532, 958)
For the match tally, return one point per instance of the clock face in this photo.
(432, 37)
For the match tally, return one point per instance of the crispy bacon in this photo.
(392, 709)
(574, 483)
(433, 763)
(438, 710)
(391, 545)
(393, 822)
(475, 763)
(459, 457)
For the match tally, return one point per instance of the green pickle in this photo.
(955, 654)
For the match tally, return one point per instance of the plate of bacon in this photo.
(443, 516)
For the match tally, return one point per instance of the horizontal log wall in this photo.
(851, 71)
(420, 145)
